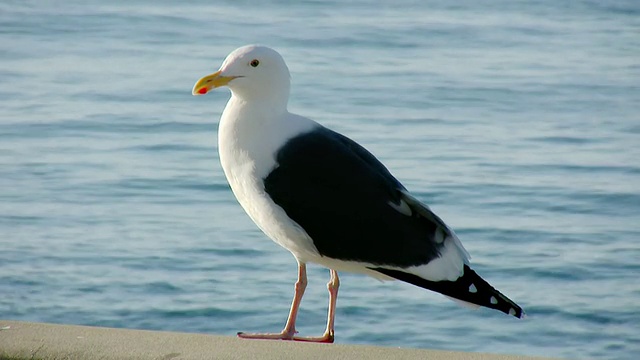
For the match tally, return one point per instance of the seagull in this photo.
(328, 200)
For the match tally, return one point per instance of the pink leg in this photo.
(328, 335)
(288, 333)
(290, 328)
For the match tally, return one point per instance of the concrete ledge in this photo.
(25, 340)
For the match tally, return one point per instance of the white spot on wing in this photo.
(512, 311)
(402, 208)
(417, 204)
(493, 300)
(472, 289)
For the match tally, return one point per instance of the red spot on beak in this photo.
(202, 91)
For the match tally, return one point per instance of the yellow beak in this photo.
(209, 82)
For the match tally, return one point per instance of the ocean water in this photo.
(518, 122)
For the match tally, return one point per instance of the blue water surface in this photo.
(518, 122)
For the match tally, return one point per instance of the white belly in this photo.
(247, 157)
(270, 218)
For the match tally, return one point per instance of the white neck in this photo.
(247, 121)
(250, 134)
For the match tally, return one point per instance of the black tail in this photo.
(470, 287)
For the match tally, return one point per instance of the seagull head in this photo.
(252, 72)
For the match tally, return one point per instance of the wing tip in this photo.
(469, 288)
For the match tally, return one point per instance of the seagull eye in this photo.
(254, 63)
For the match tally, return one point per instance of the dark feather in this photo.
(339, 193)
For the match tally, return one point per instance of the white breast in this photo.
(248, 140)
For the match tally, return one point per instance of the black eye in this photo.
(254, 63)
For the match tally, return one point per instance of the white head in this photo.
(253, 73)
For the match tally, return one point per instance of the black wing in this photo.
(340, 194)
